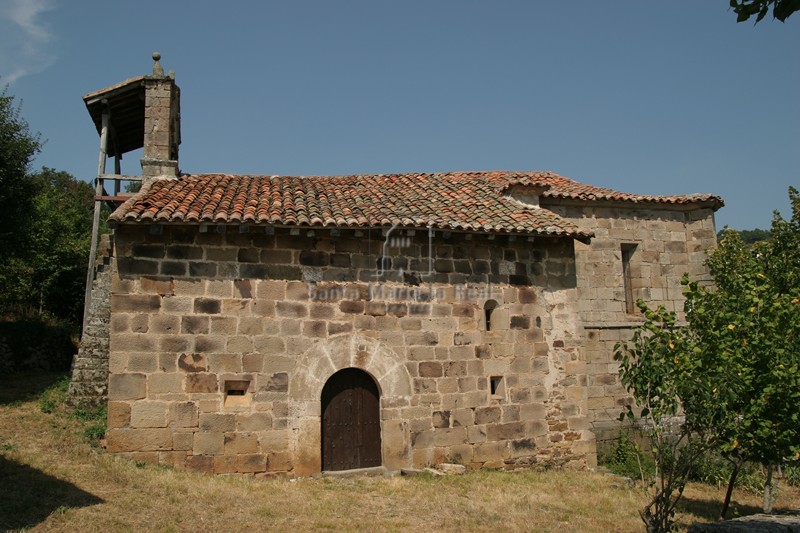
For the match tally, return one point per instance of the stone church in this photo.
(297, 324)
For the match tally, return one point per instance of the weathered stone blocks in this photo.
(237, 305)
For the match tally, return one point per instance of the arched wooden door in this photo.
(351, 426)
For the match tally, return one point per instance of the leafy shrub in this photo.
(626, 458)
(713, 469)
(792, 474)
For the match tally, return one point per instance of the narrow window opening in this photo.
(236, 393)
(496, 387)
(488, 309)
(627, 279)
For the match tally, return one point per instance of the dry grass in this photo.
(53, 481)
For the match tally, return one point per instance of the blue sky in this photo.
(645, 97)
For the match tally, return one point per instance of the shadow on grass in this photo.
(30, 495)
(708, 509)
(27, 386)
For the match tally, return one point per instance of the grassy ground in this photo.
(52, 479)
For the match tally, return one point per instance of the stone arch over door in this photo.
(316, 366)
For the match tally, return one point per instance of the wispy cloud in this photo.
(24, 38)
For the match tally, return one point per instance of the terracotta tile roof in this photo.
(467, 201)
(561, 187)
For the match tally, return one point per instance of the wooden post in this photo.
(118, 171)
(101, 169)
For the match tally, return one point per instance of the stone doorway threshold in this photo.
(356, 472)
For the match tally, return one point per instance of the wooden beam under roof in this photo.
(125, 105)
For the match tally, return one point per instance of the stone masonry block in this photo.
(351, 306)
(271, 290)
(223, 325)
(487, 415)
(509, 431)
(249, 326)
(133, 342)
(430, 369)
(225, 464)
(219, 288)
(142, 362)
(193, 362)
(119, 323)
(209, 343)
(291, 309)
(195, 324)
(119, 414)
(217, 422)
(203, 464)
(252, 362)
(238, 443)
(174, 343)
(143, 440)
(183, 440)
(208, 443)
(251, 463)
(127, 387)
(225, 362)
(149, 414)
(200, 383)
(183, 414)
(254, 422)
(177, 304)
(164, 324)
(277, 382)
(135, 303)
(207, 305)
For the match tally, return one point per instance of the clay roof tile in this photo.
(468, 201)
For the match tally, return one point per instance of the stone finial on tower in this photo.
(162, 128)
(158, 70)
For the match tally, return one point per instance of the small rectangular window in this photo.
(236, 393)
(627, 280)
(497, 389)
(488, 309)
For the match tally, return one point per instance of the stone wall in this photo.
(666, 243)
(196, 309)
(89, 381)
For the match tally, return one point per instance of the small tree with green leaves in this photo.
(660, 368)
(748, 330)
(733, 371)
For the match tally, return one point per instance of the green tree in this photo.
(749, 332)
(734, 371)
(60, 242)
(660, 368)
(48, 277)
(18, 146)
(45, 226)
(781, 9)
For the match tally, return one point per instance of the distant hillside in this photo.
(749, 236)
